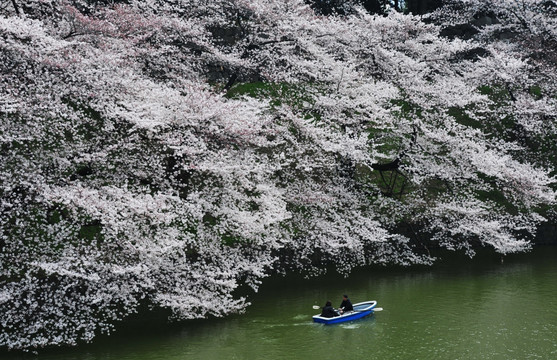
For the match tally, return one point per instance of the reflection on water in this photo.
(457, 309)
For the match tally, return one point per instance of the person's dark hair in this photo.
(345, 296)
(329, 303)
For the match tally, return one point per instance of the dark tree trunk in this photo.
(373, 6)
(230, 82)
(420, 7)
(16, 7)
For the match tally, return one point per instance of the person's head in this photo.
(345, 297)
(329, 303)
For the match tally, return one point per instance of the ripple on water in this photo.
(350, 326)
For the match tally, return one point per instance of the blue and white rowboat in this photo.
(360, 310)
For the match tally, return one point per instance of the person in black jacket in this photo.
(346, 304)
(328, 310)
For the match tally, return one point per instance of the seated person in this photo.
(346, 304)
(329, 311)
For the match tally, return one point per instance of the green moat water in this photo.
(456, 309)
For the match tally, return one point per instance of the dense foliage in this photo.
(167, 152)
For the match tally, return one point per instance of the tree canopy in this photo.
(167, 152)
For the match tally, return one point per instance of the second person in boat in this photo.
(346, 304)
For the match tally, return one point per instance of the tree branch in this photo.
(16, 7)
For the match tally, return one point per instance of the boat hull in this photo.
(361, 310)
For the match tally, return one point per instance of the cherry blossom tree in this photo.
(164, 153)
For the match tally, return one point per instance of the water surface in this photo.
(457, 309)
